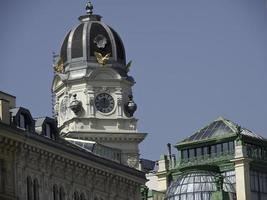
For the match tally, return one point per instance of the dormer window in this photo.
(46, 127)
(22, 123)
(48, 130)
(21, 118)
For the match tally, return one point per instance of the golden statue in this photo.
(59, 66)
(102, 59)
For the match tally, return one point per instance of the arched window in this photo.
(29, 188)
(35, 190)
(55, 192)
(76, 196)
(82, 197)
(61, 193)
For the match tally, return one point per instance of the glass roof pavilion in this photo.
(222, 161)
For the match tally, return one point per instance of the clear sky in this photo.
(193, 60)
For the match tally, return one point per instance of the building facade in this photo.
(90, 150)
(37, 164)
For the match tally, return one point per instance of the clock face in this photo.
(104, 103)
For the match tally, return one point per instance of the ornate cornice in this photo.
(118, 137)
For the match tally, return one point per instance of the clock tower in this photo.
(92, 89)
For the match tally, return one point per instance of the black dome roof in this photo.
(89, 37)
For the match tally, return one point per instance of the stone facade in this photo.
(36, 167)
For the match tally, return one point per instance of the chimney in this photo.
(7, 102)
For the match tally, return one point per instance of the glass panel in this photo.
(22, 121)
(48, 130)
(190, 187)
(183, 197)
(225, 146)
(198, 196)
(214, 129)
(206, 195)
(259, 152)
(263, 196)
(231, 146)
(212, 150)
(197, 187)
(191, 179)
(199, 151)
(205, 150)
(218, 148)
(191, 153)
(254, 196)
(183, 188)
(190, 196)
(185, 154)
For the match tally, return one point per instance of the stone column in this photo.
(242, 173)
(162, 173)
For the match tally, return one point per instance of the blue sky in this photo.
(193, 61)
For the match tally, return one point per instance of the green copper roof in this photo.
(220, 128)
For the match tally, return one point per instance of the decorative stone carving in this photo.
(130, 106)
(76, 105)
(133, 161)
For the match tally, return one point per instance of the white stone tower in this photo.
(93, 91)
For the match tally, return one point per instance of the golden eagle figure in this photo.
(102, 59)
(59, 66)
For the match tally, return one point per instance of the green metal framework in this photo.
(212, 148)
